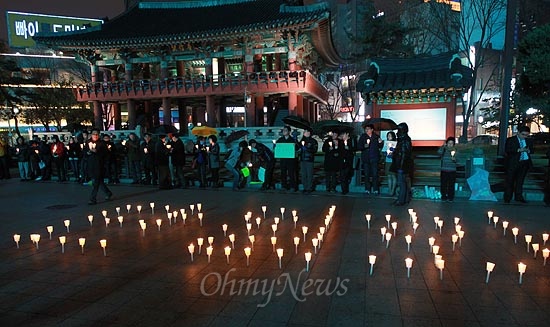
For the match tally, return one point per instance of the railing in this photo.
(270, 81)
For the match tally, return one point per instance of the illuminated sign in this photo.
(347, 109)
(455, 4)
(23, 26)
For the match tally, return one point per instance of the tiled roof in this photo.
(414, 74)
(150, 24)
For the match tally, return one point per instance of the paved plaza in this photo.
(147, 278)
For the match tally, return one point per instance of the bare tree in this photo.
(480, 21)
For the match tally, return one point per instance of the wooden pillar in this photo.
(277, 61)
(98, 115)
(130, 103)
(259, 116)
(269, 62)
(117, 116)
(131, 107)
(166, 111)
(211, 111)
(292, 103)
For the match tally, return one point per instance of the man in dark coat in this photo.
(162, 160)
(332, 162)
(96, 154)
(149, 166)
(402, 164)
(518, 150)
(177, 153)
(288, 165)
(370, 144)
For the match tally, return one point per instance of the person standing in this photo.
(74, 154)
(332, 162)
(177, 154)
(96, 153)
(22, 152)
(347, 155)
(149, 166)
(402, 164)
(518, 150)
(134, 157)
(162, 161)
(213, 151)
(308, 149)
(288, 165)
(387, 150)
(370, 145)
(448, 169)
(267, 161)
(231, 165)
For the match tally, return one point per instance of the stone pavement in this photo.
(150, 279)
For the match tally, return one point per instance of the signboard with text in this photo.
(23, 26)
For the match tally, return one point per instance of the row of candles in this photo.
(316, 242)
(434, 249)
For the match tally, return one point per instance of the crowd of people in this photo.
(165, 161)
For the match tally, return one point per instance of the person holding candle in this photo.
(58, 154)
(200, 160)
(74, 154)
(162, 161)
(147, 148)
(402, 164)
(387, 150)
(347, 155)
(370, 145)
(96, 154)
(288, 165)
(517, 158)
(308, 150)
(22, 154)
(134, 157)
(177, 154)
(214, 160)
(448, 169)
(111, 164)
(332, 162)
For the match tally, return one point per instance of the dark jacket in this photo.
(370, 147)
(512, 156)
(96, 160)
(308, 149)
(214, 156)
(402, 156)
(333, 157)
(162, 154)
(178, 153)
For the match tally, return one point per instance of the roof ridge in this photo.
(189, 4)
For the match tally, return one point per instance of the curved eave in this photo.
(281, 25)
(322, 40)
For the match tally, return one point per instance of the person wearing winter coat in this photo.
(22, 152)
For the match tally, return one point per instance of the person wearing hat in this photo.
(308, 149)
(402, 164)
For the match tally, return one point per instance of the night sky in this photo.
(99, 9)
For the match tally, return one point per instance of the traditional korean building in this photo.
(202, 57)
(423, 92)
